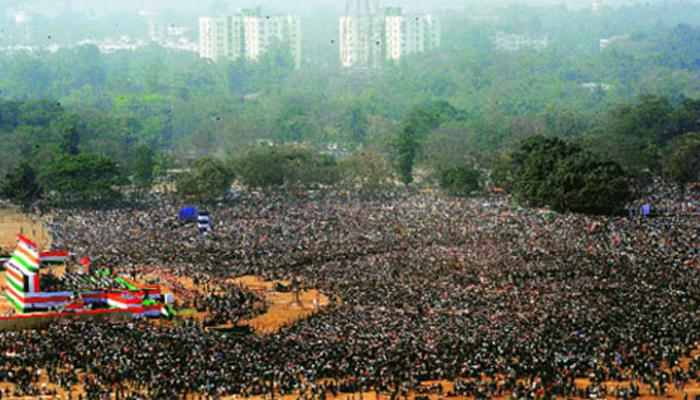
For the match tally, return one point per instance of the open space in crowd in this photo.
(500, 300)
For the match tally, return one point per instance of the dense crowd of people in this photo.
(496, 298)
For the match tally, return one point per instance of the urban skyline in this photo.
(368, 36)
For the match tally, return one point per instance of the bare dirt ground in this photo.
(13, 222)
(283, 307)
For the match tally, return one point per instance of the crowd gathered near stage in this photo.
(497, 299)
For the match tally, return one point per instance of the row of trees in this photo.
(65, 180)
(291, 167)
(432, 142)
(172, 100)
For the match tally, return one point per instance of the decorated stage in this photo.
(35, 292)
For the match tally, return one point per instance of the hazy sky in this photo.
(203, 6)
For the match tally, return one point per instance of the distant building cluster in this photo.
(361, 41)
(168, 36)
(370, 37)
(594, 87)
(607, 42)
(248, 35)
(515, 42)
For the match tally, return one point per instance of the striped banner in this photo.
(22, 271)
(15, 281)
(26, 301)
(120, 300)
(22, 264)
(54, 257)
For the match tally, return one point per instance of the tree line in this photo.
(597, 172)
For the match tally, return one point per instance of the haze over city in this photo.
(315, 199)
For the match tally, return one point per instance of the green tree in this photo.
(292, 166)
(583, 183)
(460, 180)
(89, 69)
(82, 179)
(70, 129)
(142, 167)
(366, 169)
(683, 163)
(687, 116)
(547, 171)
(639, 130)
(307, 169)
(294, 124)
(30, 76)
(416, 126)
(9, 114)
(39, 112)
(20, 186)
(451, 144)
(260, 166)
(208, 180)
(356, 122)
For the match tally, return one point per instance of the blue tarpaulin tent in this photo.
(188, 214)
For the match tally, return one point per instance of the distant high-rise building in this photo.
(248, 34)
(217, 40)
(361, 35)
(361, 41)
(155, 26)
(409, 34)
(369, 36)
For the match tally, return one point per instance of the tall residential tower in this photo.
(409, 34)
(248, 34)
(369, 36)
(361, 35)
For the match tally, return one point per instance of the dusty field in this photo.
(283, 309)
(13, 222)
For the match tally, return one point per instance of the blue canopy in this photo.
(188, 214)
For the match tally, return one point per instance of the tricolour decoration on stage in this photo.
(22, 280)
(54, 257)
(23, 289)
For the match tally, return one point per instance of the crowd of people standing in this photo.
(496, 298)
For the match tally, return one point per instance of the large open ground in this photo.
(384, 283)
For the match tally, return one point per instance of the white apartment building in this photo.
(516, 42)
(155, 26)
(406, 35)
(361, 42)
(248, 34)
(366, 41)
(259, 33)
(214, 38)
